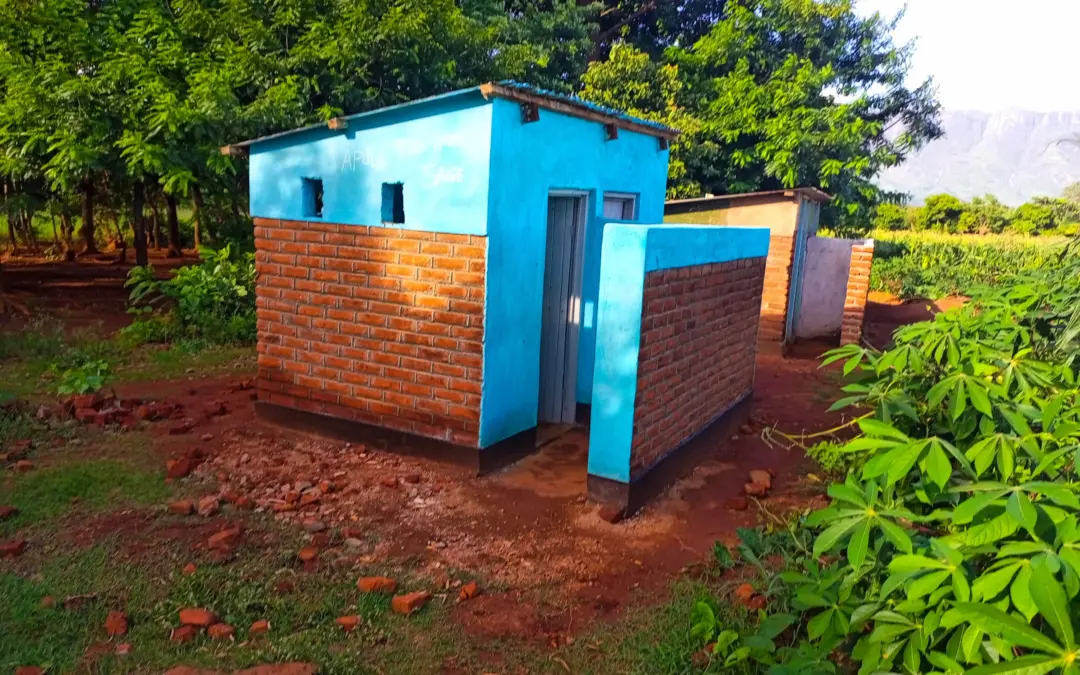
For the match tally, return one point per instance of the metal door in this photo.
(561, 308)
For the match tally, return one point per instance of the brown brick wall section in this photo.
(858, 286)
(373, 324)
(774, 299)
(699, 330)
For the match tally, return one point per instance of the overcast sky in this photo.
(993, 54)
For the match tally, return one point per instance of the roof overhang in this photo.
(574, 107)
(810, 193)
(568, 105)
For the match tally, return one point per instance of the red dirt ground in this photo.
(550, 564)
(885, 313)
(528, 528)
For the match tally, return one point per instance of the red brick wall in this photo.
(858, 286)
(699, 330)
(774, 299)
(373, 324)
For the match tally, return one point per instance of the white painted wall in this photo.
(824, 288)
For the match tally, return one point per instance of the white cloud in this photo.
(993, 54)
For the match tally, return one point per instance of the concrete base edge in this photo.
(479, 460)
(630, 497)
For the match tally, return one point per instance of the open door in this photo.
(562, 307)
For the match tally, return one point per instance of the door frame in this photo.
(568, 414)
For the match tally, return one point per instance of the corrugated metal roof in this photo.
(808, 192)
(515, 91)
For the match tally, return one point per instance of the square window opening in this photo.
(393, 203)
(620, 206)
(313, 197)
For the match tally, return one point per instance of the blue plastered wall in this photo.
(558, 152)
(629, 253)
(439, 151)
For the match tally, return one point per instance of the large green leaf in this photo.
(1049, 597)
(996, 622)
(1025, 665)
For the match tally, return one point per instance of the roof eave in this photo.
(569, 107)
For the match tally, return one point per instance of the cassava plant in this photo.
(953, 543)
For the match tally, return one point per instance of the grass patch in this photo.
(148, 363)
(54, 637)
(48, 492)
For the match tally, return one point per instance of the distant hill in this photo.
(1012, 154)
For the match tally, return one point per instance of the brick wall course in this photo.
(699, 334)
(372, 324)
(858, 287)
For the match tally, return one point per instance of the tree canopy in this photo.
(120, 104)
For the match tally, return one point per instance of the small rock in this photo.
(390, 481)
(178, 468)
(308, 553)
(761, 477)
(348, 623)
(376, 584)
(353, 544)
(208, 506)
(183, 507)
(220, 631)
(744, 592)
(189, 569)
(259, 627)
(410, 602)
(611, 514)
(413, 478)
(184, 634)
(314, 526)
(205, 438)
(226, 539)
(85, 415)
(116, 624)
(29, 670)
(193, 616)
(309, 498)
(326, 487)
(739, 503)
(746, 430)
(758, 602)
(13, 548)
(85, 401)
(469, 591)
(123, 649)
(756, 490)
(243, 502)
(48, 602)
(8, 512)
(24, 465)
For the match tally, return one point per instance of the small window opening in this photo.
(393, 203)
(313, 197)
(618, 206)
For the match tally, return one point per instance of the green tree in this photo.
(941, 212)
(985, 214)
(889, 216)
(778, 93)
(1072, 193)
(1031, 218)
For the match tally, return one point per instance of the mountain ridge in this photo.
(1013, 154)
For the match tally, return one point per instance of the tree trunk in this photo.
(88, 217)
(66, 230)
(138, 225)
(155, 215)
(196, 196)
(55, 232)
(175, 247)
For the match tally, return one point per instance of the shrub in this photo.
(955, 546)
(213, 301)
(82, 378)
(931, 265)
